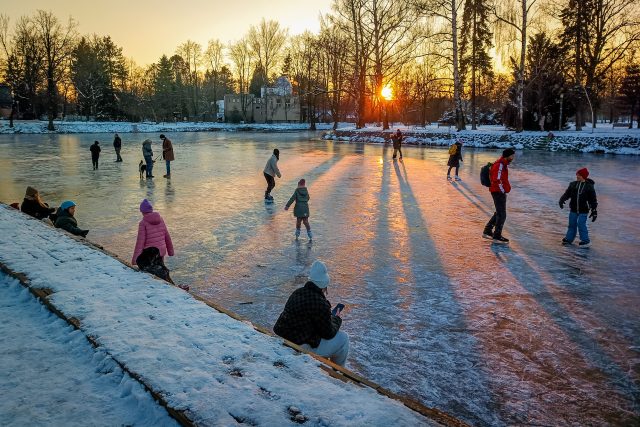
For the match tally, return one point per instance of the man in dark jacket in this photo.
(67, 221)
(582, 193)
(95, 154)
(307, 319)
(397, 143)
(499, 189)
(117, 145)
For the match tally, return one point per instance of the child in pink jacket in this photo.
(152, 232)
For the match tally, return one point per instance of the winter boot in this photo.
(297, 233)
(309, 235)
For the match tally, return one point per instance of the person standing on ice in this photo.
(117, 145)
(397, 143)
(167, 154)
(95, 154)
(499, 189)
(308, 322)
(152, 232)
(147, 153)
(455, 157)
(66, 219)
(301, 209)
(582, 193)
(270, 172)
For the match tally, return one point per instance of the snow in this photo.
(533, 333)
(217, 369)
(72, 127)
(51, 375)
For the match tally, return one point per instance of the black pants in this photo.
(94, 160)
(271, 182)
(395, 152)
(499, 216)
(451, 167)
(118, 159)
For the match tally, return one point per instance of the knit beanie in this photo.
(31, 192)
(318, 274)
(67, 204)
(584, 173)
(507, 152)
(145, 206)
(302, 183)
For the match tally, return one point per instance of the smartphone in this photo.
(337, 309)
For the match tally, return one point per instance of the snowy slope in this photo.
(50, 374)
(220, 371)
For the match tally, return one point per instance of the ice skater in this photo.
(455, 157)
(167, 154)
(582, 195)
(499, 189)
(301, 209)
(307, 319)
(152, 231)
(147, 153)
(397, 143)
(270, 172)
(117, 145)
(95, 154)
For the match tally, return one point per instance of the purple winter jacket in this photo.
(152, 232)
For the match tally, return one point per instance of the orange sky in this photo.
(147, 29)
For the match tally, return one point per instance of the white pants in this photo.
(336, 349)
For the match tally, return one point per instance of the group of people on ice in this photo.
(145, 168)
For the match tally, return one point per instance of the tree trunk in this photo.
(456, 72)
(13, 109)
(51, 99)
(473, 73)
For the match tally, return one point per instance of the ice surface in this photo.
(531, 333)
(50, 374)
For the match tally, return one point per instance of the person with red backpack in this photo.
(500, 187)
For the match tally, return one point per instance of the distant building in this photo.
(277, 104)
(5, 101)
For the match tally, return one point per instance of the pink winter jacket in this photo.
(152, 232)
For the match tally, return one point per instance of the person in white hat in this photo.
(307, 319)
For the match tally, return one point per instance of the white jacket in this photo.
(272, 167)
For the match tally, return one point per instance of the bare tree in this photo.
(240, 55)
(515, 16)
(214, 57)
(191, 52)
(57, 42)
(334, 50)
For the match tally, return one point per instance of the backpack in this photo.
(453, 149)
(485, 178)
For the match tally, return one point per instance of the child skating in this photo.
(301, 209)
(583, 198)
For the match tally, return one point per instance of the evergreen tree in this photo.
(257, 81)
(474, 47)
(89, 78)
(630, 90)
(164, 89)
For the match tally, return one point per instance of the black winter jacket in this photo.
(95, 151)
(117, 142)
(454, 159)
(582, 195)
(307, 318)
(67, 222)
(33, 208)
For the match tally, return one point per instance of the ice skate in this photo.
(448, 177)
(584, 244)
(297, 233)
(565, 242)
(309, 235)
(487, 234)
(500, 240)
(458, 178)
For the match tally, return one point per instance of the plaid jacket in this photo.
(307, 317)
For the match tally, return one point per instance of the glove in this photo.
(561, 204)
(594, 215)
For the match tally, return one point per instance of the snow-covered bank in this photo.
(50, 374)
(219, 371)
(605, 140)
(38, 127)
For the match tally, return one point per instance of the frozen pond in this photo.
(534, 333)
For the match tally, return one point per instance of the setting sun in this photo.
(387, 92)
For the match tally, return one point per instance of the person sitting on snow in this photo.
(151, 262)
(34, 206)
(307, 319)
(67, 221)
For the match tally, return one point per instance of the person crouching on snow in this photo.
(308, 322)
(301, 209)
(151, 262)
(152, 232)
(582, 193)
(66, 220)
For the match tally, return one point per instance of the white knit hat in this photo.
(318, 274)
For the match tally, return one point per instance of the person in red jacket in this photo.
(499, 189)
(152, 232)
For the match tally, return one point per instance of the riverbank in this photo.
(206, 367)
(603, 140)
